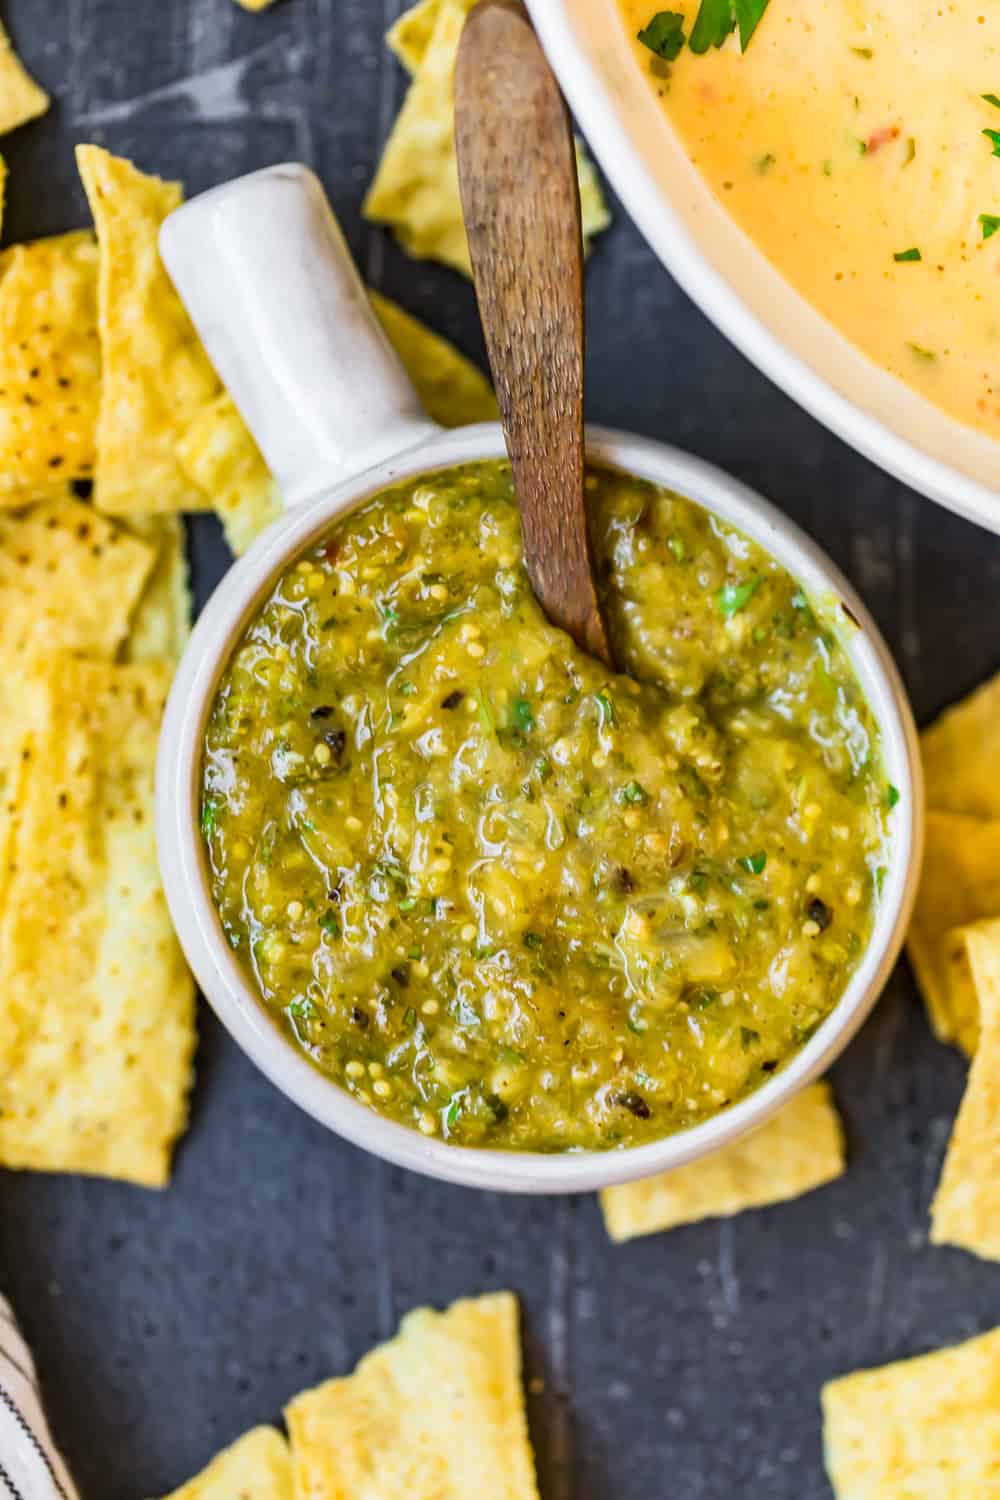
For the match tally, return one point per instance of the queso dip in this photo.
(851, 143)
(503, 895)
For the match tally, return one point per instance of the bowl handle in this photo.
(266, 275)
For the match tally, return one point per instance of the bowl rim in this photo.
(666, 231)
(240, 1009)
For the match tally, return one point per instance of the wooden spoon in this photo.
(521, 201)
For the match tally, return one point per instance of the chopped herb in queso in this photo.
(504, 896)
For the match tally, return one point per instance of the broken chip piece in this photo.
(415, 190)
(50, 365)
(257, 1466)
(800, 1148)
(21, 98)
(156, 375)
(966, 1208)
(927, 1427)
(959, 884)
(97, 1004)
(961, 753)
(438, 1410)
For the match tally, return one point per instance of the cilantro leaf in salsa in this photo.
(733, 597)
(992, 99)
(209, 813)
(913, 254)
(521, 716)
(753, 863)
(664, 34)
(891, 796)
(994, 136)
(990, 223)
(607, 709)
(632, 795)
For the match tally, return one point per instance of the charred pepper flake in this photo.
(325, 711)
(453, 699)
(359, 1017)
(336, 740)
(633, 1102)
(401, 975)
(817, 911)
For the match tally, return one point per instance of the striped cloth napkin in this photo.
(30, 1465)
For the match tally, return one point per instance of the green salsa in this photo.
(507, 897)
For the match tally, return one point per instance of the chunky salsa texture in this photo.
(503, 895)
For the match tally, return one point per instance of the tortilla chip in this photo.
(50, 365)
(161, 625)
(255, 4)
(410, 37)
(156, 373)
(219, 455)
(959, 884)
(437, 1412)
(256, 1467)
(921, 1429)
(69, 580)
(97, 1004)
(451, 388)
(799, 1149)
(415, 190)
(21, 99)
(961, 755)
(966, 1208)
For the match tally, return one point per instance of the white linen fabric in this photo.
(31, 1467)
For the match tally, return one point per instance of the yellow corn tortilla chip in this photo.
(959, 884)
(97, 1005)
(437, 1412)
(255, 4)
(69, 579)
(257, 1466)
(410, 36)
(161, 624)
(156, 375)
(966, 1208)
(219, 455)
(452, 389)
(801, 1148)
(961, 755)
(50, 365)
(21, 99)
(922, 1429)
(415, 190)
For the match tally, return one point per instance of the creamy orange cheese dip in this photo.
(850, 134)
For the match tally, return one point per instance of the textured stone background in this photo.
(686, 1365)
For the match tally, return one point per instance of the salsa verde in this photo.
(503, 895)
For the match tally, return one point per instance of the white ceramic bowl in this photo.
(722, 270)
(270, 285)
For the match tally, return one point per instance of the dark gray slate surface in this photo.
(686, 1365)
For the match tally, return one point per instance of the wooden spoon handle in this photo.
(521, 200)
